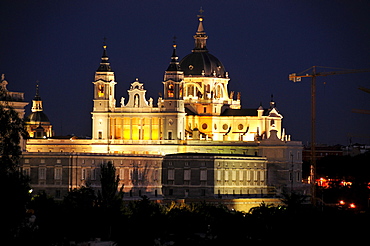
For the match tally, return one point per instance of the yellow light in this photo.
(352, 205)
(200, 19)
(341, 202)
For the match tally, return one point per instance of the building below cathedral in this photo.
(194, 142)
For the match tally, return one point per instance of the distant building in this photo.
(196, 141)
(37, 123)
(322, 150)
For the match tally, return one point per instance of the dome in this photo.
(37, 116)
(202, 64)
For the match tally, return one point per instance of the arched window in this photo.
(170, 92)
(101, 90)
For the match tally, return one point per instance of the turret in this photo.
(173, 85)
(104, 85)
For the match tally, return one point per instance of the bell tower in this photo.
(104, 102)
(173, 102)
(174, 85)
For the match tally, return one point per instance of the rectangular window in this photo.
(131, 174)
(42, 173)
(42, 161)
(256, 175)
(226, 175)
(171, 174)
(233, 175)
(59, 161)
(203, 175)
(93, 174)
(241, 172)
(248, 175)
(26, 171)
(187, 175)
(262, 175)
(219, 175)
(58, 173)
(26, 160)
(83, 174)
(155, 175)
(121, 173)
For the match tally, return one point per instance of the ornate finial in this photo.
(2, 77)
(200, 16)
(201, 10)
(104, 43)
(174, 41)
(37, 88)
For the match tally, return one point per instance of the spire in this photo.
(37, 96)
(37, 102)
(104, 64)
(200, 36)
(174, 64)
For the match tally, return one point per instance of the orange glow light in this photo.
(341, 202)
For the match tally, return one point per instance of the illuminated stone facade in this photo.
(230, 151)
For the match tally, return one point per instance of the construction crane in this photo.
(362, 111)
(313, 73)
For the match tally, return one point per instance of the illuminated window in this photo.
(101, 90)
(233, 175)
(170, 91)
(241, 175)
(219, 175)
(83, 174)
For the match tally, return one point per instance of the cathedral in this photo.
(194, 142)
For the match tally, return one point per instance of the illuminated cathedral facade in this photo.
(194, 141)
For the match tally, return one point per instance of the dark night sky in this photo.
(260, 42)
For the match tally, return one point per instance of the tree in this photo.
(15, 186)
(110, 201)
(80, 206)
(109, 194)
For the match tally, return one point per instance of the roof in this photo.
(242, 112)
(202, 64)
(37, 116)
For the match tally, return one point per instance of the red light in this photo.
(352, 205)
